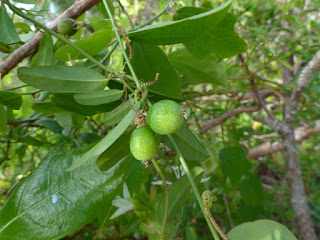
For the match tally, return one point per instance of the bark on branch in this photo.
(228, 115)
(78, 8)
(301, 133)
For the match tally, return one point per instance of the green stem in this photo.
(25, 16)
(194, 187)
(109, 53)
(154, 18)
(126, 13)
(215, 225)
(165, 188)
(121, 45)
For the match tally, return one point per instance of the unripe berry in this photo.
(165, 117)
(66, 26)
(144, 143)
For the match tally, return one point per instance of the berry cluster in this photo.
(163, 118)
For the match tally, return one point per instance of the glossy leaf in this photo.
(115, 116)
(50, 202)
(91, 45)
(180, 31)
(3, 118)
(235, 163)
(11, 99)
(100, 24)
(178, 194)
(8, 33)
(251, 190)
(63, 78)
(198, 69)
(147, 61)
(46, 108)
(189, 145)
(262, 230)
(45, 53)
(107, 141)
(220, 40)
(66, 101)
(98, 97)
(118, 150)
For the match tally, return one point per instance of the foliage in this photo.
(68, 110)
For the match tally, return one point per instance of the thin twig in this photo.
(228, 115)
(165, 189)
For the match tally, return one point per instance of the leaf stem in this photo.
(194, 187)
(61, 38)
(165, 188)
(121, 45)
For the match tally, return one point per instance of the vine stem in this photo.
(194, 187)
(66, 41)
(61, 38)
(121, 45)
(215, 224)
(165, 188)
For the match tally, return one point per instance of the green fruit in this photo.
(144, 143)
(165, 117)
(67, 26)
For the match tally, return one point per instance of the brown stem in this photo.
(228, 115)
(298, 196)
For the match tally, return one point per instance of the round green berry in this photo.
(144, 143)
(165, 117)
(66, 26)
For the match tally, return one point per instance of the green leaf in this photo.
(50, 202)
(189, 145)
(262, 230)
(98, 97)
(68, 119)
(178, 194)
(11, 99)
(45, 53)
(8, 33)
(63, 78)
(220, 40)
(180, 31)
(102, 9)
(22, 27)
(100, 24)
(46, 108)
(147, 61)
(26, 1)
(107, 141)
(3, 118)
(5, 48)
(117, 114)
(91, 45)
(198, 69)
(66, 101)
(235, 163)
(118, 150)
(51, 124)
(251, 190)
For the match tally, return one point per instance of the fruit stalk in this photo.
(194, 187)
(165, 189)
